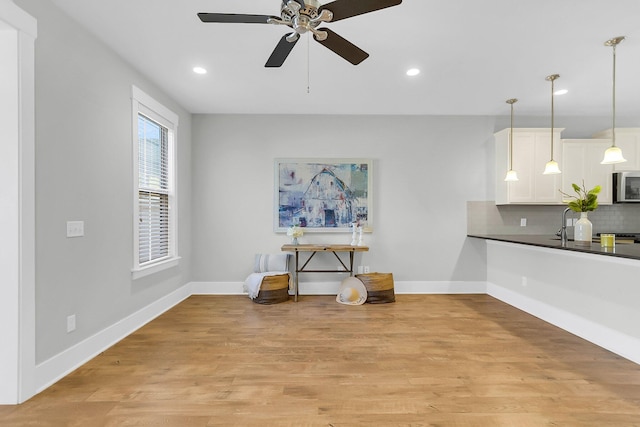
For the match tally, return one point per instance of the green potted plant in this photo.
(585, 201)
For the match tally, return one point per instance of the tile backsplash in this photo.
(484, 217)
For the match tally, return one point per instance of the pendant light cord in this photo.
(511, 137)
(613, 128)
(552, 115)
(511, 174)
(511, 140)
(552, 166)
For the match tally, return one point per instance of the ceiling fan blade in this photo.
(343, 9)
(343, 47)
(235, 18)
(281, 52)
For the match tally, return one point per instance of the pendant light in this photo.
(551, 168)
(511, 174)
(613, 154)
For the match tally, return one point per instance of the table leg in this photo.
(295, 281)
(350, 263)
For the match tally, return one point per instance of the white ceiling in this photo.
(474, 54)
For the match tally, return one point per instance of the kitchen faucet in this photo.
(563, 230)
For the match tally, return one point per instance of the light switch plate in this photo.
(523, 222)
(71, 323)
(75, 228)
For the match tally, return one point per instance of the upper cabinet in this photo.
(581, 162)
(531, 151)
(628, 139)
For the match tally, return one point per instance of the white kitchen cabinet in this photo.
(531, 151)
(581, 161)
(628, 139)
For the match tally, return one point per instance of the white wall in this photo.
(425, 169)
(84, 172)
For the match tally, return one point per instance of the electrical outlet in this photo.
(71, 323)
(523, 222)
(366, 269)
(75, 228)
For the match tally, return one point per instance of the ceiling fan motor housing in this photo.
(310, 9)
(303, 19)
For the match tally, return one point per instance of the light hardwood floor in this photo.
(426, 360)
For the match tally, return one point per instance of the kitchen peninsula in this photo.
(589, 291)
(621, 250)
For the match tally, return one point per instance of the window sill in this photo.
(137, 273)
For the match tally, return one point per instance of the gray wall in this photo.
(84, 172)
(425, 169)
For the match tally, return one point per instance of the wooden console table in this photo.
(313, 250)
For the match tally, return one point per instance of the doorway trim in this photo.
(18, 31)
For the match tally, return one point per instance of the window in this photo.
(154, 182)
(153, 190)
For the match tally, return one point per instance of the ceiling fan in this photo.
(305, 16)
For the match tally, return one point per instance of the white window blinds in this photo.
(153, 190)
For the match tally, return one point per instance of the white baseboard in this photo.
(55, 368)
(331, 288)
(612, 340)
(440, 287)
(216, 288)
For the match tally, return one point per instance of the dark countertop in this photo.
(622, 250)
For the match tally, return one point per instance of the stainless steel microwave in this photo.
(626, 187)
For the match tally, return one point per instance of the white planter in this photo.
(583, 230)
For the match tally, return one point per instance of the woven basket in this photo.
(379, 287)
(273, 290)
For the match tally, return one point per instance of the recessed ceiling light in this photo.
(199, 70)
(413, 72)
(561, 92)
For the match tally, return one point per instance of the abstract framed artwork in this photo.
(323, 195)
